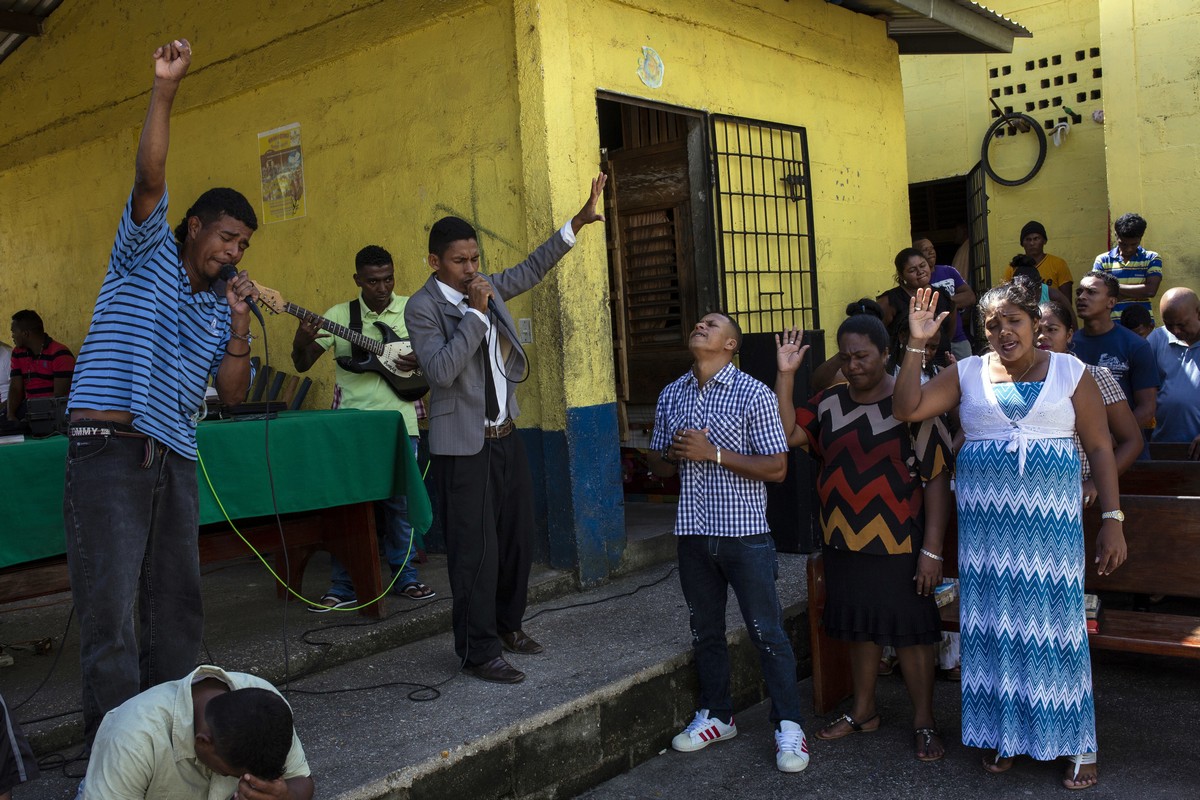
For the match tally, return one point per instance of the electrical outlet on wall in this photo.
(525, 330)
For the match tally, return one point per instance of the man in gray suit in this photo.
(468, 347)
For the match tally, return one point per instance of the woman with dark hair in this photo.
(1026, 672)
(885, 496)
(913, 273)
(1054, 334)
(829, 372)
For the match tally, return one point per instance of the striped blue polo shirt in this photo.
(152, 344)
(1134, 271)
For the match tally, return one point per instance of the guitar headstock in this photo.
(269, 298)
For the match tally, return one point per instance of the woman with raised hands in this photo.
(1026, 670)
(884, 488)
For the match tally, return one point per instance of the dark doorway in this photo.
(952, 213)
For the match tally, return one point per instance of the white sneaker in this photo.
(791, 748)
(702, 732)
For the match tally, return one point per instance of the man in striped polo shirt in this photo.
(40, 366)
(164, 323)
(1138, 270)
(720, 429)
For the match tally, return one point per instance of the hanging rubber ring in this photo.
(1010, 120)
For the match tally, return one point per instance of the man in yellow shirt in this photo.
(209, 734)
(1054, 271)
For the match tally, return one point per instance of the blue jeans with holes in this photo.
(708, 567)
(391, 523)
(131, 514)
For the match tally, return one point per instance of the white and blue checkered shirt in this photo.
(741, 416)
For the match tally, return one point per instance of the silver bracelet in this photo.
(925, 552)
(718, 456)
(918, 350)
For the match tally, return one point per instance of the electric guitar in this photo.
(381, 357)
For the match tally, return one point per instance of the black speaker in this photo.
(47, 416)
(791, 505)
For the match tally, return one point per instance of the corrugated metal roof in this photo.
(16, 17)
(941, 26)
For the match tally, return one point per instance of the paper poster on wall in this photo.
(282, 164)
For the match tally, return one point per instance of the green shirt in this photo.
(366, 390)
(145, 747)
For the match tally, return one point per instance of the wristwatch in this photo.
(1118, 515)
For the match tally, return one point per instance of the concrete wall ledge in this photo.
(586, 740)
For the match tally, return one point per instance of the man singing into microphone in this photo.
(467, 345)
(163, 324)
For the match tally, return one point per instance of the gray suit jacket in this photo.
(448, 342)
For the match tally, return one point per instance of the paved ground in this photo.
(616, 673)
(1147, 712)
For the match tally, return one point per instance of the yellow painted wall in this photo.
(947, 110)
(1152, 125)
(805, 63)
(413, 110)
(420, 123)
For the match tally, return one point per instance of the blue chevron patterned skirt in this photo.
(1026, 671)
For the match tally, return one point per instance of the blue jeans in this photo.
(708, 566)
(391, 524)
(131, 514)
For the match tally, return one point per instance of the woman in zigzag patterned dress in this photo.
(1026, 670)
(885, 501)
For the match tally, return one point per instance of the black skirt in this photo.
(873, 598)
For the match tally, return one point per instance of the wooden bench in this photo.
(347, 532)
(1162, 531)
(1169, 451)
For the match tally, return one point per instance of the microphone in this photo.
(228, 273)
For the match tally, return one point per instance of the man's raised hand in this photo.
(171, 61)
(587, 215)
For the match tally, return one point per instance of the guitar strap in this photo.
(356, 325)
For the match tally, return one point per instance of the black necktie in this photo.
(492, 400)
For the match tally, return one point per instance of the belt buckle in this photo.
(498, 431)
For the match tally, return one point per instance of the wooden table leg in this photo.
(349, 534)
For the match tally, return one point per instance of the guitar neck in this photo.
(341, 331)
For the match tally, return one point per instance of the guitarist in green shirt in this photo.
(361, 388)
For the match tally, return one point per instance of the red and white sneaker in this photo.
(702, 732)
(791, 747)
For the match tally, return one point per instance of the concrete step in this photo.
(244, 630)
(616, 682)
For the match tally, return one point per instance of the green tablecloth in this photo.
(318, 458)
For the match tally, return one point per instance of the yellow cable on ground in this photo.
(275, 575)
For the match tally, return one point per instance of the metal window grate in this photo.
(763, 200)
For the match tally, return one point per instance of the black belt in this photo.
(96, 427)
(498, 431)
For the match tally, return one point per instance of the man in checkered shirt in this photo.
(719, 428)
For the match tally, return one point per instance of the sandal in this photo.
(331, 602)
(924, 737)
(855, 727)
(1072, 781)
(416, 591)
(996, 763)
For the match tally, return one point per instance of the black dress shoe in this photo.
(519, 642)
(495, 671)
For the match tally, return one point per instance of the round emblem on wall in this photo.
(650, 68)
